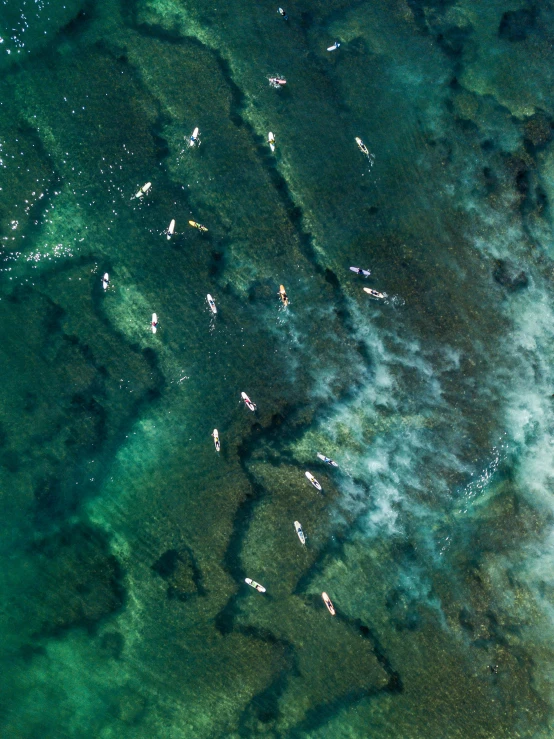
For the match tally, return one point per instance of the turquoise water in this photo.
(126, 538)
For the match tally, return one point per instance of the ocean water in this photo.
(125, 537)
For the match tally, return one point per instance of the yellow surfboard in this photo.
(199, 226)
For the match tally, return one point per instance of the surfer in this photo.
(298, 529)
(360, 271)
(328, 460)
(282, 13)
(327, 601)
(144, 189)
(171, 229)
(211, 303)
(105, 281)
(199, 226)
(216, 440)
(334, 47)
(255, 585)
(271, 141)
(248, 402)
(194, 138)
(283, 295)
(154, 323)
(362, 147)
(312, 479)
(277, 81)
(374, 293)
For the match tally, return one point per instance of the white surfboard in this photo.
(360, 271)
(312, 479)
(328, 603)
(254, 584)
(298, 529)
(271, 141)
(334, 47)
(144, 189)
(154, 323)
(374, 293)
(211, 303)
(105, 281)
(327, 459)
(171, 228)
(248, 402)
(193, 140)
(361, 146)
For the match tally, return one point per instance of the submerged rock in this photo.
(538, 129)
(179, 569)
(79, 581)
(517, 24)
(509, 275)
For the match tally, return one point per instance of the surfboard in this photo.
(171, 228)
(199, 226)
(374, 293)
(248, 402)
(334, 47)
(254, 584)
(154, 323)
(271, 141)
(283, 294)
(327, 459)
(105, 281)
(211, 303)
(143, 189)
(312, 479)
(365, 272)
(298, 529)
(194, 137)
(327, 601)
(216, 440)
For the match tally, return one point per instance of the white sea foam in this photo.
(529, 403)
(397, 435)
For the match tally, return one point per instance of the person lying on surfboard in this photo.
(254, 584)
(362, 147)
(328, 460)
(199, 226)
(144, 189)
(374, 293)
(301, 535)
(360, 271)
(248, 402)
(328, 603)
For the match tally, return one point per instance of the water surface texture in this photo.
(125, 537)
